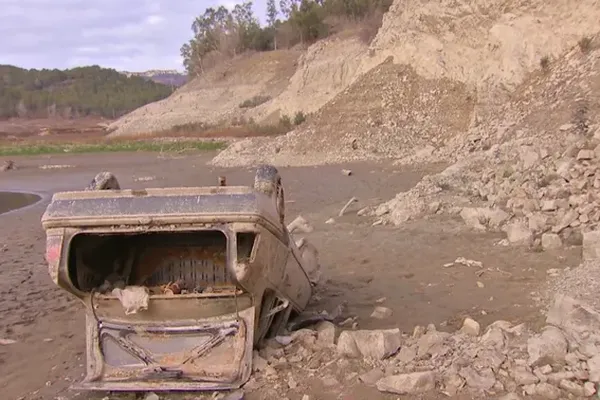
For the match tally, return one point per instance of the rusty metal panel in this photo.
(212, 354)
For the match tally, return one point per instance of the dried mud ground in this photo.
(361, 264)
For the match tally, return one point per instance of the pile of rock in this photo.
(562, 361)
(7, 166)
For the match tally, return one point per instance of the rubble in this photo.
(8, 166)
(560, 361)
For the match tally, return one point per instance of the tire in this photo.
(104, 181)
(268, 181)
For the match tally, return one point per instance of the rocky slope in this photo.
(480, 53)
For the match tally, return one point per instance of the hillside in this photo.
(77, 92)
(165, 77)
(476, 55)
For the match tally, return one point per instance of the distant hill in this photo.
(166, 77)
(74, 93)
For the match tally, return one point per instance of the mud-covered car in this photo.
(178, 284)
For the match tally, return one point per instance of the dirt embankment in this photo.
(476, 55)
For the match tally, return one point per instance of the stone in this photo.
(151, 396)
(493, 337)
(593, 365)
(235, 395)
(551, 241)
(537, 222)
(549, 205)
(429, 341)
(572, 387)
(479, 380)
(547, 391)
(591, 245)
(470, 327)
(523, 376)
(325, 333)
(570, 217)
(510, 396)
(529, 158)
(517, 232)
(375, 344)
(406, 354)
(346, 172)
(585, 154)
(566, 127)
(589, 389)
(372, 377)
(548, 348)
(258, 363)
(413, 383)
(479, 217)
(381, 313)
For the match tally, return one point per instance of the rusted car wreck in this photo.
(178, 284)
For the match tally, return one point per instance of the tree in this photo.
(271, 19)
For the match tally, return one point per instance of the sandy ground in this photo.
(361, 263)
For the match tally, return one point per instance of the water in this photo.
(10, 201)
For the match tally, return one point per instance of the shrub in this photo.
(254, 101)
(285, 121)
(545, 62)
(299, 118)
(585, 44)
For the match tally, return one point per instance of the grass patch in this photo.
(111, 147)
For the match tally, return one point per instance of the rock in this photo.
(478, 218)
(570, 217)
(517, 232)
(329, 381)
(591, 245)
(572, 387)
(346, 172)
(547, 391)
(523, 376)
(151, 396)
(594, 368)
(7, 166)
(406, 354)
(330, 221)
(429, 341)
(235, 395)
(470, 327)
(482, 380)
(551, 241)
(325, 333)
(537, 222)
(510, 396)
(5, 342)
(575, 318)
(413, 383)
(372, 377)
(529, 158)
(381, 313)
(585, 154)
(548, 348)
(589, 389)
(258, 363)
(375, 344)
(549, 205)
(493, 337)
(566, 127)
(452, 383)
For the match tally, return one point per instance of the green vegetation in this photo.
(78, 148)
(74, 93)
(585, 44)
(254, 101)
(220, 34)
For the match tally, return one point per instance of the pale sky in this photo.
(130, 35)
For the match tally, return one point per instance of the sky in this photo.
(128, 35)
